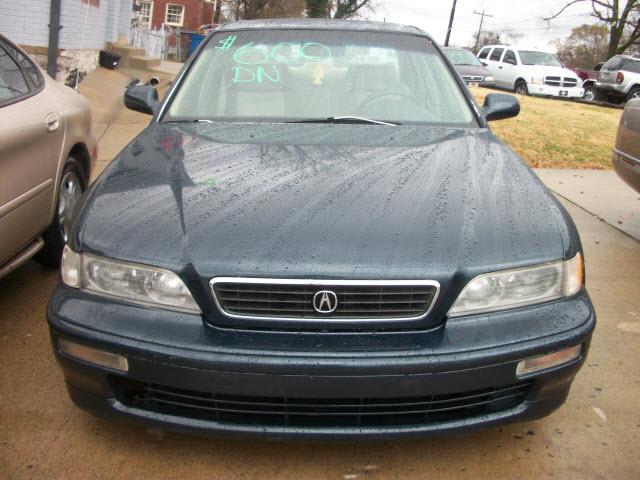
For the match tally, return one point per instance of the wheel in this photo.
(521, 88)
(590, 93)
(72, 185)
(633, 93)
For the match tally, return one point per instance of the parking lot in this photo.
(595, 435)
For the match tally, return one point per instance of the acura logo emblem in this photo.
(325, 301)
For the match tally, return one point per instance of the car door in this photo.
(483, 54)
(507, 69)
(31, 136)
(493, 61)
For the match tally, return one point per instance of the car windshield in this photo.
(539, 58)
(279, 75)
(461, 57)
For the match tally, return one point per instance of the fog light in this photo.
(543, 362)
(93, 356)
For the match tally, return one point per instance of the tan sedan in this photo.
(626, 153)
(46, 154)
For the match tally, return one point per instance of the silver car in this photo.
(619, 78)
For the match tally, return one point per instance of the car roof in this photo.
(519, 48)
(322, 24)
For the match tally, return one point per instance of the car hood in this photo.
(472, 70)
(323, 201)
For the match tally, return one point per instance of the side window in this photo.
(483, 53)
(510, 57)
(26, 64)
(12, 81)
(632, 66)
(496, 54)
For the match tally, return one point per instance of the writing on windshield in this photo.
(258, 63)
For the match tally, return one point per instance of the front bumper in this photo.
(482, 83)
(444, 365)
(560, 92)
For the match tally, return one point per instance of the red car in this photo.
(589, 78)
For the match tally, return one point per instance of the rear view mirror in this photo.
(498, 106)
(141, 98)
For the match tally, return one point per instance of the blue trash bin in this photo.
(195, 39)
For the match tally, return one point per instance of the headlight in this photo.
(519, 287)
(537, 80)
(136, 283)
(489, 79)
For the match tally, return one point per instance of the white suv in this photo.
(530, 72)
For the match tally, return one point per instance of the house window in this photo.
(174, 15)
(146, 12)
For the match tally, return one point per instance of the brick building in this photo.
(187, 15)
(87, 27)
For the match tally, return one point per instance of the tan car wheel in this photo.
(72, 185)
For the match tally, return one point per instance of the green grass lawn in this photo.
(552, 133)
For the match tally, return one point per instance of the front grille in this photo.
(561, 82)
(294, 299)
(472, 78)
(319, 412)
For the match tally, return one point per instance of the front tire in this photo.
(72, 185)
(590, 93)
(521, 88)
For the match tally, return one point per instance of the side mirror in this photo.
(498, 106)
(141, 98)
(485, 64)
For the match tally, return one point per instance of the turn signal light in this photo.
(620, 77)
(93, 355)
(543, 362)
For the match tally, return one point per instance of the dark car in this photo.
(469, 67)
(318, 236)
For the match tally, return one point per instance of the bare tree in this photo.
(493, 37)
(250, 9)
(336, 8)
(622, 17)
(586, 46)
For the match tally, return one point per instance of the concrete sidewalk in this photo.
(599, 192)
(113, 124)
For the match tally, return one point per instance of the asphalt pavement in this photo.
(595, 435)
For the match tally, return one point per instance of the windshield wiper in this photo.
(345, 119)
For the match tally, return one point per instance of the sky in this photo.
(521, 16)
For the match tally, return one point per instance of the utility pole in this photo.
(54, 34)
(482, 15)
(453, 12)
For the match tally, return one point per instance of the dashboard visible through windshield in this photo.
(302, 75)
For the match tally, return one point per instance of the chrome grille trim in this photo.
(472, 78)
(568, 82)
(320, 284)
